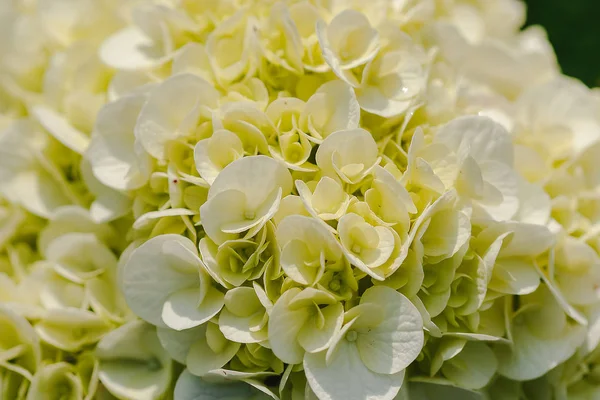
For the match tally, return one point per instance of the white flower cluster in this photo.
(294, 199)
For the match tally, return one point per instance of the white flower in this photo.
(244, 318)
(380, 338)
(176, 291)
(542, 337)
(559, 119)
(514, 271)
(27, 176)
(231, 48)
(282, 42)
(392, 82)
(333, 107)
(327, 200)
(245, 195)
(132, 353)
(71, 329)
(484, 161)
(308, 249)
(215, 153)
(349, 155)
(152, 41)
(116, 157)
(348, 41)
(173, 111)
(297, 324)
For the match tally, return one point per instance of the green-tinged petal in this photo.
(178, 343)
(447, 348)
(17, 333)
(187, 308)
(56, 381)
(80, 256)
(484, 138)
(239, 329)
(152, 274)
(531, 357)
(284, 326)
(202, 358)
(346, 377)
(473, 367)
(113, 154)
(172, 105)
(190, 387)
(435, 391)
(514, 276)
(61, 129)
(390, 346)
(252, 188)
(133, 365)
(70, 329)
(314, 339)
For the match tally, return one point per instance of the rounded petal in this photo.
(243, 310)
(80, 256)
(473, 367)
(72, 219)
(441, 390)
(302, 239)
(514, 276)
(70, 329)
(192, 58)
(396, 188)
(531, 357)
(106, 299)
(534, 203)
(245, 195)
(313, 339)
(61, 129)
(213, 154)
(152, 274)
(116, 159)
(130, 49)
(284, 326)
(499, 179)
(16, 331)
(133, 365)
(185, 309)
(527, 240)
(59, 292)
(239, 329)
(224, 210)
(392, 345)
(484, 139)
(172, 111)
(202, 358)
(349, 154)
(190, 387)
(346, 377)
(332, 108)
(256, 176)
(178, 343)
(55, 380)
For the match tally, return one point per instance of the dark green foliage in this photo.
(574, 29)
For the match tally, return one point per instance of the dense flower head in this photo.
(294, 199)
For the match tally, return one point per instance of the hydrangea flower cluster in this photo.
(294, 199)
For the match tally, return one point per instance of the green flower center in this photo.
(351, 336)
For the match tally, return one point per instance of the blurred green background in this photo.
(574, 29)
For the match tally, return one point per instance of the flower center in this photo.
(335, 285)
(351, 336)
